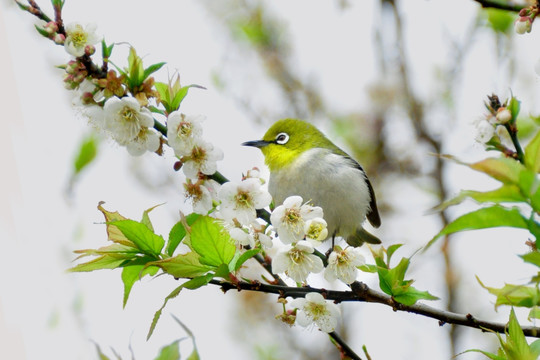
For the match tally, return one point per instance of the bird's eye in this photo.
(282, 138)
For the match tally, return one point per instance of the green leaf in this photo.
(532, 258)
(410, 295)
(210, 240)
(146, 219)
(505, 170)
(152, 69)
(506, 193)
(515, 295)
(390, 251)
(488, 354)
(532, 154)
(195, 353)
(181, 94)
(368, 268)
(114, 234)
(192, 284)
(183, 265)
(238, 261)
(514, 107)
(178, 232)
(100, 353)
(130, 274)
(87, 152)
(489, 217)
(534, 314)
(148, 242)
(99, 263)
(41, 31)
(516, 344)
(170, 352)
(499, 20)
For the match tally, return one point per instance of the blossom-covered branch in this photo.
(362, 293)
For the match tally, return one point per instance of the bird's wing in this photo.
(373, 213)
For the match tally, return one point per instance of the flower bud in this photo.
(523, 25)
(51, 27)
(89, 50)
(59, 39)
(503, 115)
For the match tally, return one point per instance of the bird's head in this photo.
(286, 140)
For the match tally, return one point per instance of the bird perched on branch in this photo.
(303, 161)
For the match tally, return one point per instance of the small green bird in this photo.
(302, 161)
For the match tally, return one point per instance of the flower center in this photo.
(184, 129)
(243, 199)
(315, 230)
(294, 220)
(79, 38)
(316, 310)
(128, 114)
(198, 154)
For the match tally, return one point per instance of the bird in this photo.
(304, 162)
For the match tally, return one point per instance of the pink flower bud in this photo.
(59, 39)
(51, 27)
(503, 115)
(89, 50)
(523, 25)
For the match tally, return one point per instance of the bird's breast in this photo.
(328, 180)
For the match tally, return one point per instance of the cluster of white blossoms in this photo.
(184, 135)
(238, 207)
(488, 127)
(302, 228)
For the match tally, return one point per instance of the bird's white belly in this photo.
(327, 180)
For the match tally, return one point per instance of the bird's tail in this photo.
(361, 236)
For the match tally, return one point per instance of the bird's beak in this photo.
(256, 143)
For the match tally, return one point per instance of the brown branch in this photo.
(362, 293)
(494, 4)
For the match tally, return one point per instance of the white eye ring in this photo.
(282, 138)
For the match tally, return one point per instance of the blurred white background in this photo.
(47, 313)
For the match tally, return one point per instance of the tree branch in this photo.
(495, 4)
(362, 293)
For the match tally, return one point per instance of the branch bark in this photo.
(362, 293)
(494, 4)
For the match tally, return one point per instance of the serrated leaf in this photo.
(181, 94)
(99, 263)
(192, 284)
(183, 265)
(122, 251)
(170, 352)
(505, 170)
(212, 242)
(178, 232)
(145, 240)
(113, 233)
(517, 344)
(146, 219)
(410, 295)
(515, 295)
(506, 193)
(489, 217)
(532, 154)
(130, 274)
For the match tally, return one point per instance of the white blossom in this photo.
(297, 261)
(316, 231)
(147, 140)
(240, 201)
(202, 158)
(78, 37)
(125, 118)
(183, 131)
(289, 219)
(314, 309)
(242, 237)
(343, 263)
(484, 130)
